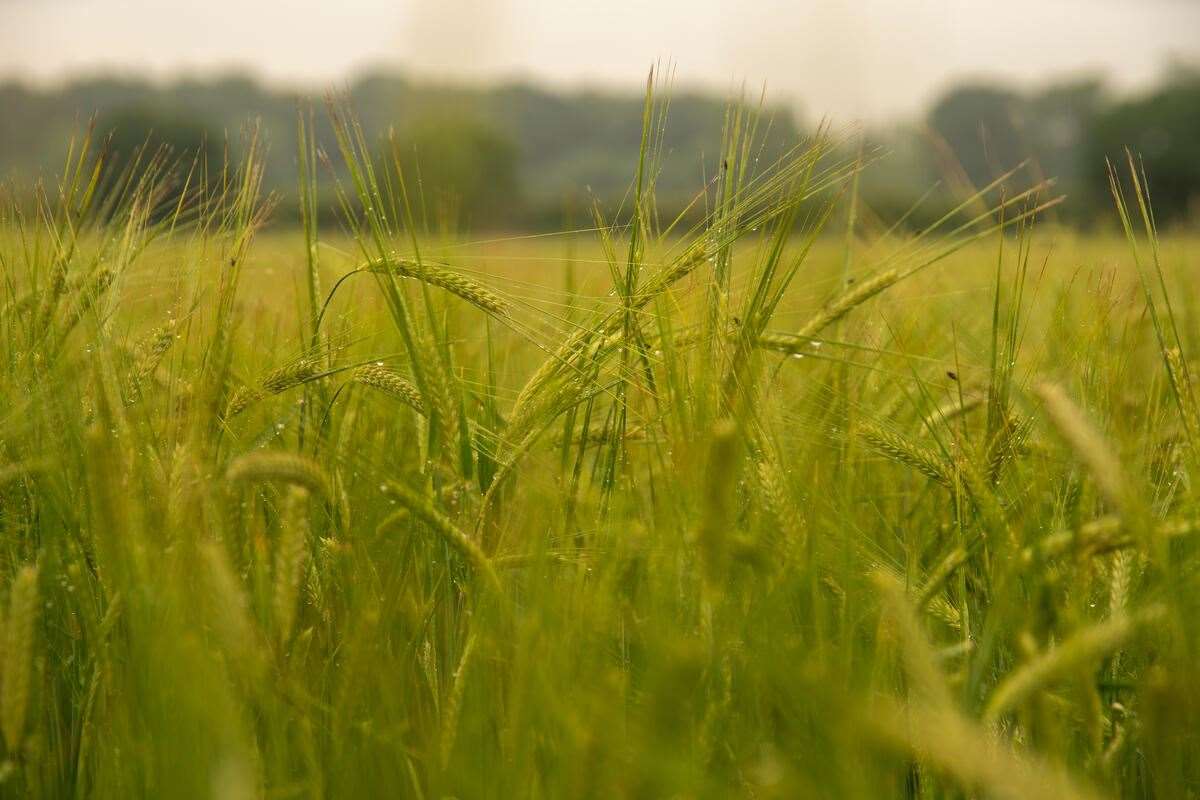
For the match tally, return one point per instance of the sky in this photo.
(845, 59)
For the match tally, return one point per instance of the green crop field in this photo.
(789, 502)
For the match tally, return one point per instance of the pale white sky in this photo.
(845, 58)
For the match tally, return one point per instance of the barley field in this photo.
(788, 502)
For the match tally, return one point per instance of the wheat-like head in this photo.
(280, 467)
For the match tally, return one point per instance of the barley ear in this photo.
(230, 617)
(453, 706)
(901, 450)
(1177, 371)
(471, 552)
(1081, 648)
(453, 282)
(281, 467)
(720, 477)
(274, 382)
(925, 679)
(385, 380)
(18, 655)
(773, 483)
(1087, 444)
(846, 302)
(291, 553)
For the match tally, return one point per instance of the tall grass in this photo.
(758, 508)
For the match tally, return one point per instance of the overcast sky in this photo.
(869, 59)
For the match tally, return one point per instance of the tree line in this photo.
(523, 157)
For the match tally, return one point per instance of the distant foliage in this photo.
(982, 125)
(1163, 129)
(558, 151)
(465, 169)
(986, 130)
(143, 130)
(521, 157)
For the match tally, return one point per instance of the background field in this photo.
(773, 501)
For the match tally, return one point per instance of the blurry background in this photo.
(519, 112)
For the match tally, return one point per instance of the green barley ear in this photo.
(720, 475)
(274, 382)
(150, 353)
(1005, 444)
(470, 551)
(926, 682)
(453, 282)
(849, 300)
(1080, 649)
(438, 383)
(18, 655)
(453, 707)
(901, 450)
(951, 745)
(291, 555)
(230, 618)
(1088, 445)
(1099, 536)
(773, 484)
(1178, 373)
(393, 520)
(388, 381)
(281, 467)
(971, 400)
(85, 301)
(588, 341)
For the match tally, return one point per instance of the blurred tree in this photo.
(160, 146)
(1058, 120)
(465, 170)
(521, 149)
(991, 130)
(982, 127)
(136, 129)
(1163, 130)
